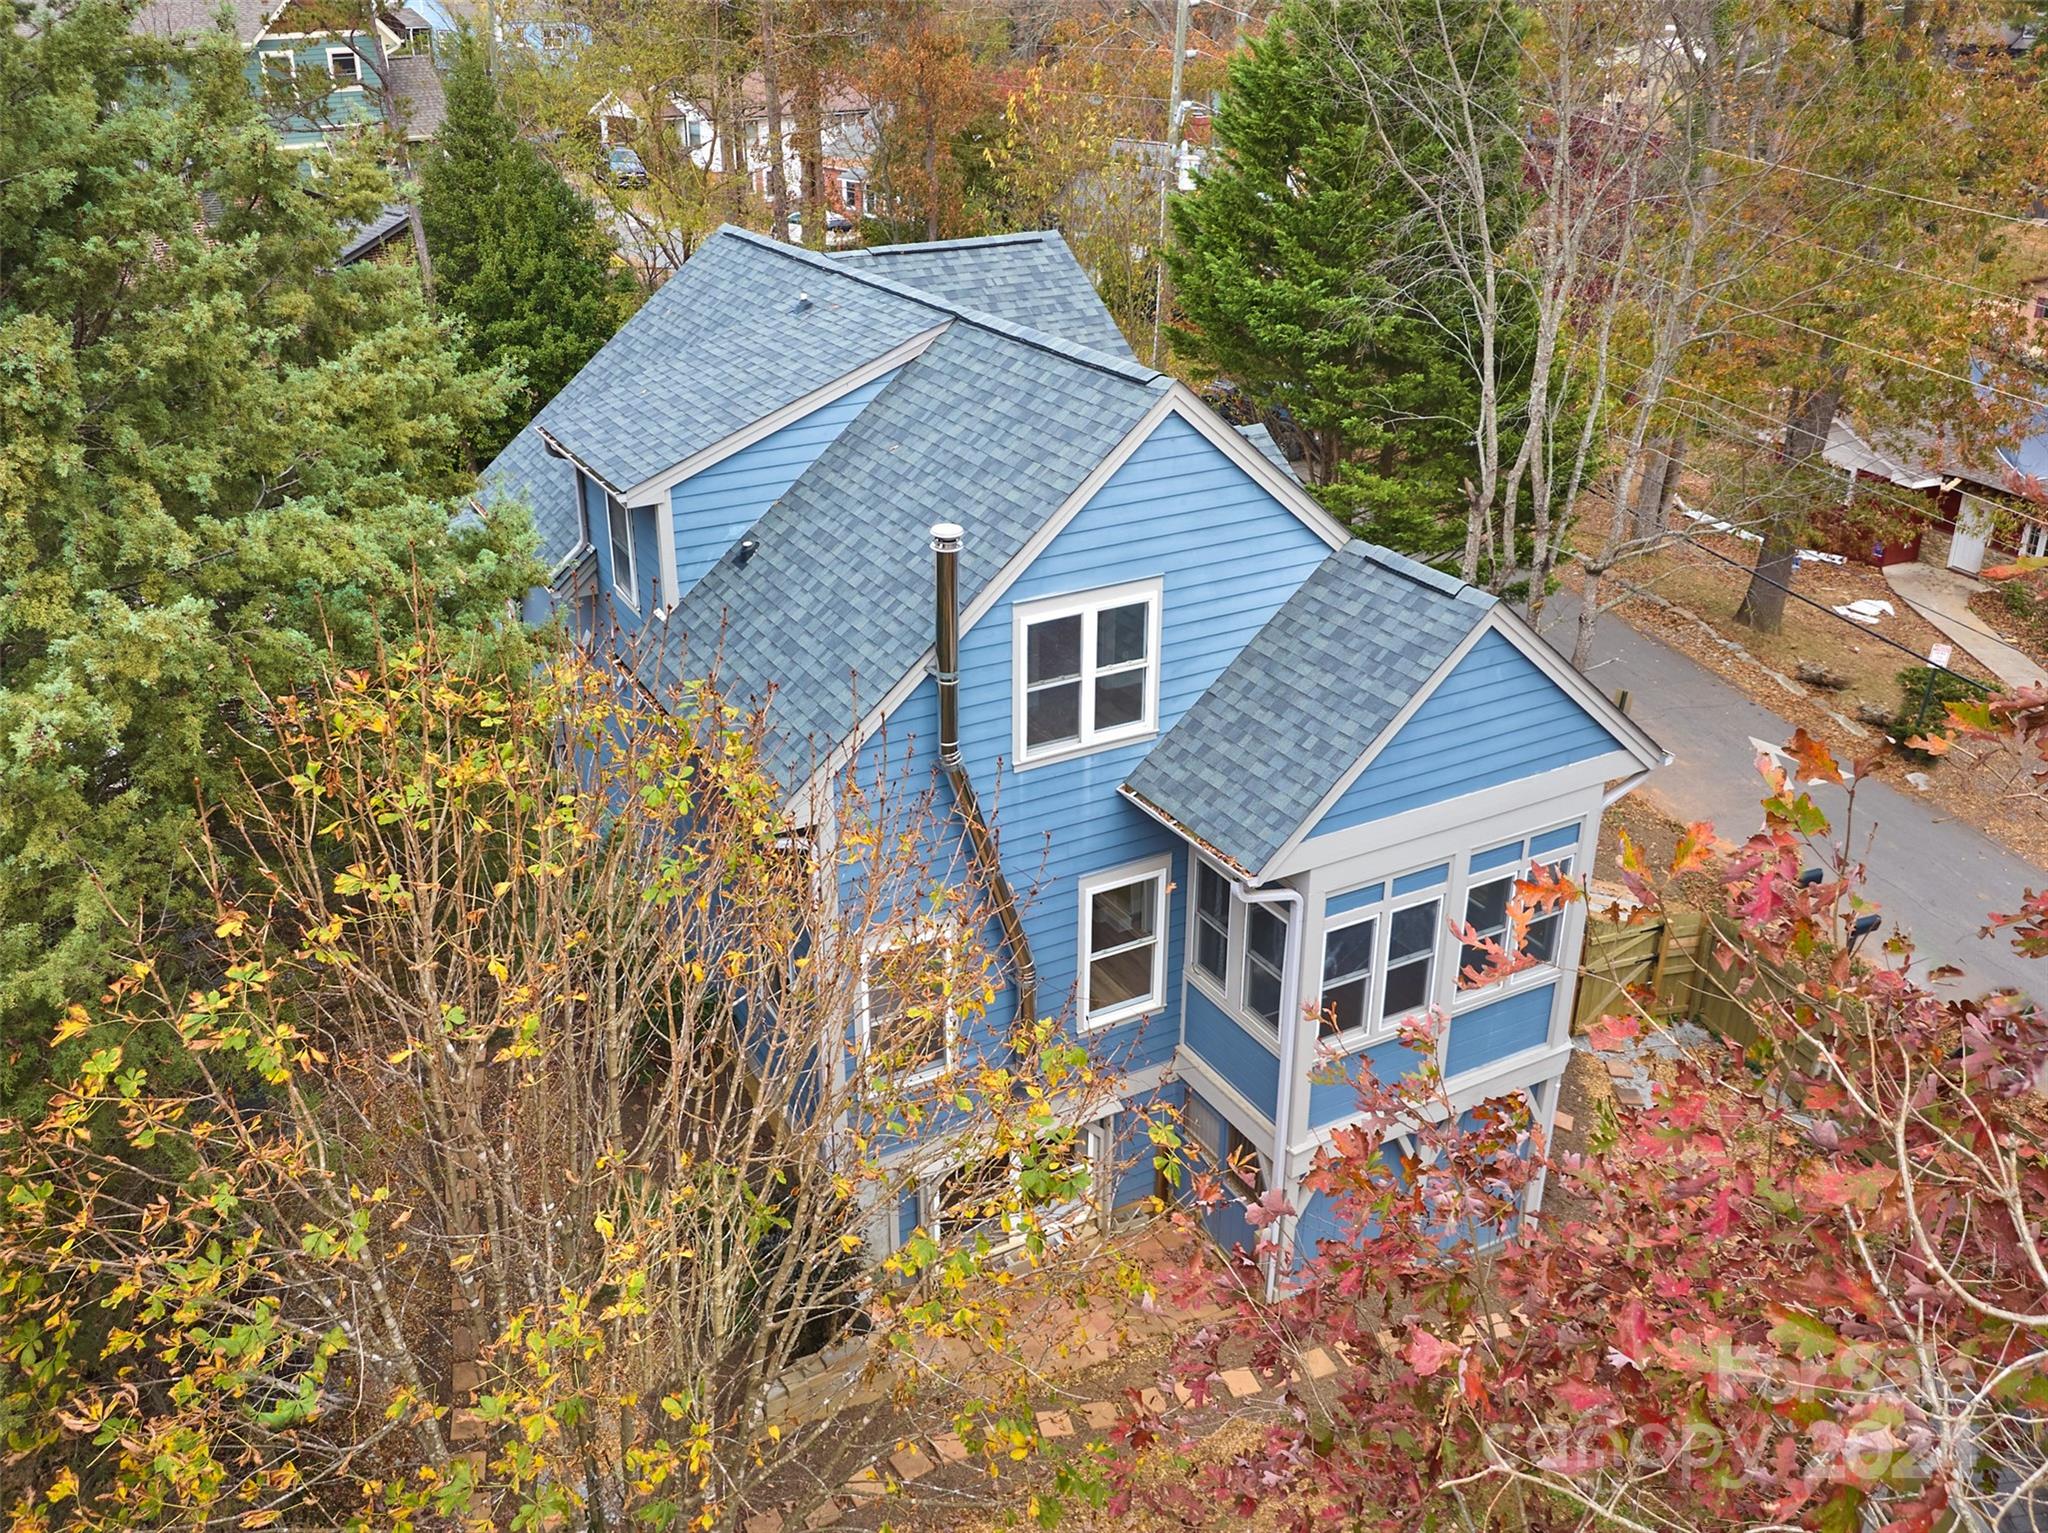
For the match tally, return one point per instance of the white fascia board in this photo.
(1380, 742)
(1542, 797)
(1282, 486)
(654, 491)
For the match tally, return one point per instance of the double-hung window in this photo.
(1379, 965)
(345, 67)
(1123, 944)
(1490, 901)
(625, 568)
(906, 1018)
(1089, 671)
(1265, 961)
(1212, 922)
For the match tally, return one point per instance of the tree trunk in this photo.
(1806, 436)
(931, 166)
(1651, 510)
(771, 88)
(810, 142)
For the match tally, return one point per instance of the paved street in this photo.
(1936, 877)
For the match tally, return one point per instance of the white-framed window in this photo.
(1087, 669)
(1210, 950)
(625, 566)
(280, 68)
(906, 1021)
(1379, 966)
(1237, 949)
(1265, 961)
(1490, 893)
(2033, 539)
(345, 68)
(1123, 943)
(849, 194)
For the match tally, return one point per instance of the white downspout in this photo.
(1290, 1035)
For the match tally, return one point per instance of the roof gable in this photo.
(833, 606)
(1494, 718)
(1031, 279)
(1305, 700)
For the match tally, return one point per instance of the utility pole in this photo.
(1171, 174)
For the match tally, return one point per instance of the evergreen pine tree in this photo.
(222, 460)
(517, 251)
(1302, 272)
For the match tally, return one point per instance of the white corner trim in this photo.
(1283, 487)
(654, 490)
(1380, 742)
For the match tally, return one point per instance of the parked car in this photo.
(622, 166)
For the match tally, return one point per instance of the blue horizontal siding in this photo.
(714, 507)
(1428, 878)
(1330, 1100)
(1234, 1054)
(1552, 840)
(1492, 1032)
(1353, 899)
(1496, 857)
(647, 565)
(1494, 719)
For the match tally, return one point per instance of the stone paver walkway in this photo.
(1943, 598)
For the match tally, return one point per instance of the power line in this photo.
(1821, 175)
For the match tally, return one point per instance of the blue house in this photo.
(1248, 769)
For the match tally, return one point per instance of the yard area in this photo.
(1833, 675)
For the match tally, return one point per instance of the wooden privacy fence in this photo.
(1668, 962)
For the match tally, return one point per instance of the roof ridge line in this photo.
(1413, 570)
(1072, 351)
(959, 242)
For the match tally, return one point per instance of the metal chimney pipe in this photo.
(946, 540)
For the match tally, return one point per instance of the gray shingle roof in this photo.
(174, 19)
(730, 338)
(724, 343)
(365, 240)
(1032, 279)
(416, 83)
(1303, 701)
(834, 606)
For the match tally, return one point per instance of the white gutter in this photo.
(1628, 785)
(1290, 1035)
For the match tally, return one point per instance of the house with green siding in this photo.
(325, 68)
(1265, 783)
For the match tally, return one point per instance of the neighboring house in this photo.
(1950, 507)
(322, 69)
(847, 139)
(1250, 769)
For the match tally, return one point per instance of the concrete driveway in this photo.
(1934, 877)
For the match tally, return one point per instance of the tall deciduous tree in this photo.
(922, 81)
(518, 253)
(528, 1075)
(1305, 271)
(219, 454)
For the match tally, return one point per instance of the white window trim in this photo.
(1160, 871)
(618, 514)
(268, 56)
(1083, 604)
(1464, 999)
(1197, 866)
(356, 83)
(1379, 1028)
(886, 943)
